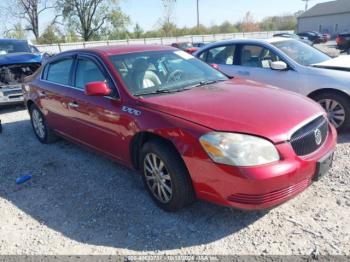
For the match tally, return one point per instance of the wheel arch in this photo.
(29, 103)
(143, 137)
(317, 92)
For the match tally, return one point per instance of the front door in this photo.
(254, 64)
(97, 119)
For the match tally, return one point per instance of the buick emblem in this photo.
(318, 137)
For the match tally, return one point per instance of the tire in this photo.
(343, 108)
(174, 175)
(44, 135)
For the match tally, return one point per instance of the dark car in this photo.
(191, 131)
(343, 42)
(17, 61)
(313, 36)
(199, 44)
(294, 36)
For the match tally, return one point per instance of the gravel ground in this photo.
(79, 202)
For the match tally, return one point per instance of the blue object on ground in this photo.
(23, 179)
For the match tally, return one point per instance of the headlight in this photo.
(238, 149)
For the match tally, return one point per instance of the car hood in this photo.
(338, 63)
(19, 58)
(239, 106)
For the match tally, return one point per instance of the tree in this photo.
(89, 17)
(138, 31)
(166, 23)
(30, 10)
(50, 35)
(248, 23)
(17, 32)
(116, 25)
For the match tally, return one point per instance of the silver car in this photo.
(288, 64)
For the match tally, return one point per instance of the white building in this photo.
(331, 17)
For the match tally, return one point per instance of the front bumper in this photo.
(262, 187)
(11, 95)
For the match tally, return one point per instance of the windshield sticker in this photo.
(184, 55)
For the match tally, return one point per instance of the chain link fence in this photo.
(60, 47)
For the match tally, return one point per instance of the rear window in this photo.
(59, 71)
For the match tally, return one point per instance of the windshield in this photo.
(301, 53)
(163, 71)
(8, 47)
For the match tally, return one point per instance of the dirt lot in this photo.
(79, 202)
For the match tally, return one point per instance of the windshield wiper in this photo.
(208, 82)
(163, 91)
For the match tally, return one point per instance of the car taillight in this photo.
(337, 40)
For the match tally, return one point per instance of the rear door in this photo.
(97, 120)
(52, 90)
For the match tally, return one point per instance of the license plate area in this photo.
(323, 166)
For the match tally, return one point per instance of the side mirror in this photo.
(215, 66)
(97, 89)
(278, 65)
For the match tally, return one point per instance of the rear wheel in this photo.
(40, 127)
(337, 107)
(165, 176)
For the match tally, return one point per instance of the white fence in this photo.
(60, 47)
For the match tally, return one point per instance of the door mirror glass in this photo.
(278, 65)
(215, 66)
(97, 89)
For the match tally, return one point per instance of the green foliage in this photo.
(93, 19)
(274, 23)
(18, 32)
(50, 35)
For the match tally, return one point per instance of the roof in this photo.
(11, 40)
(328, 8)
(125, 49)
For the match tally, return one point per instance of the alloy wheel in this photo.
(335, 111)
(158, 178)
(38, 123)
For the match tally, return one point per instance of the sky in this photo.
(148, 12)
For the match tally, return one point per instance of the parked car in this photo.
(327, 36)
(314, 37)
(343, 42)
(294, 36)
(288, 64)
(190, 130)
(185, 46)
(17, 61)
(199, 44)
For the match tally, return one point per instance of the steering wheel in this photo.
(175, 76)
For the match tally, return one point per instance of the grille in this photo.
(310, 137)
(271, 196)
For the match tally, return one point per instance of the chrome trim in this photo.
(303, 123)
(78, 89)
(74, 59)
(320, 147)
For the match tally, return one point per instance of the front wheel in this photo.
(165, 176)
(337, 107)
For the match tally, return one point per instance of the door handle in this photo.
(42, 94)
(73, 104)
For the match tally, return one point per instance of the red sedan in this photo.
(191, 131)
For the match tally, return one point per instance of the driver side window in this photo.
(257, 56)
(87, 72)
